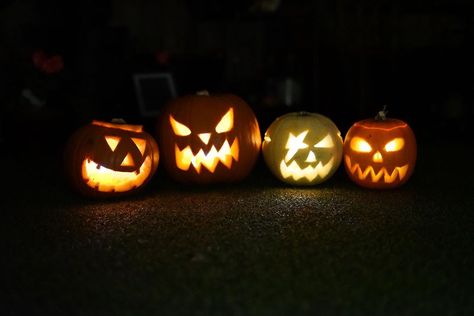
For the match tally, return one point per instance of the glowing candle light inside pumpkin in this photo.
(208, 138)
(107, 180)
(109, 159)
(302, 148)
(380, 153)
(226, 153)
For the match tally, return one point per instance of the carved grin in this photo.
(310, 173)
(226, 154)
(108, 180)
(383, 173)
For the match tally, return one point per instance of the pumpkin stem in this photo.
(203, 92)
(118, 121)
(382, 115)
(303, 113)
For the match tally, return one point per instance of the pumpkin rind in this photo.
(388, 155)
(122, 169)
(208, 138)
(316, 143)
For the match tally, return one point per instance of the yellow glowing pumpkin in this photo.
(302, 148)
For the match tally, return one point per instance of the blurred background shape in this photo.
(66, 63)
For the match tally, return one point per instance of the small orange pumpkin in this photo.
(208, 138)
(105, 159)
(380, 153)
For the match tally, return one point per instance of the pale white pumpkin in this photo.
(302, 148)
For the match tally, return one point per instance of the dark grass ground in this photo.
(254, 248)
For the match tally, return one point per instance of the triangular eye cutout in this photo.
(326, 142)
(226, 123)
(127, 161)
(112, 141)
(141, 144)
(179, 128)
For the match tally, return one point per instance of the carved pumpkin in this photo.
(208, 138)
(302, 148)
(380, 153)
(110, 159)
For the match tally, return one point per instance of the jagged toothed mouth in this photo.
(226, 155)
(382, 175)
(107, 180)
(310, 173)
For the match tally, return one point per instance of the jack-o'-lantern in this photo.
(302, 148)
(208, 138)
(380, 153)
(105, 159)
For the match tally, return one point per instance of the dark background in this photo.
(257, 247)
(349, 58)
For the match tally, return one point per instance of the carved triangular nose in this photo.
(127, 161)
(311, 157)
(377, 157)
(205, 137)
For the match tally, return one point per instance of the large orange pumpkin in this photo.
(380, 153)
(105, 159)
(208, 138)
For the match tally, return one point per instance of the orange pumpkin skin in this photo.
(208, 138)
(105, 159)
(380, 153)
